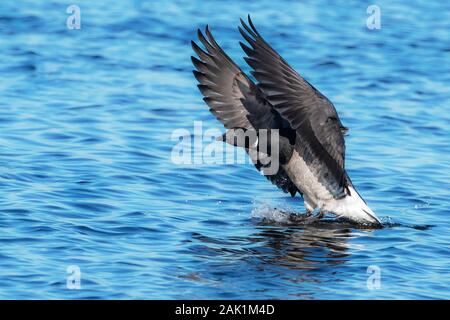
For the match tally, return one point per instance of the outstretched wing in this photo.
(218, 78)
(319, 131)
(233, 98)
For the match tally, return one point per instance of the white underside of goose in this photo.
(317, 196)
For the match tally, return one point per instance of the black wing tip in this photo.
(252, 29)
(203, 55)
(194, 59)
(206, 30)
(200, 35)
(196, 74)
(247, 49)
(250, 22)
(211, 37)
(208, 41)
(195, 46)
(249, 19)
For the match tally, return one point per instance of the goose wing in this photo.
(320, 140)
(233, 98)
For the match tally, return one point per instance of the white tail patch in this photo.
(353, 208)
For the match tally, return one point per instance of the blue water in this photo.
(87, 178)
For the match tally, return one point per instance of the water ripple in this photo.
(86, 118)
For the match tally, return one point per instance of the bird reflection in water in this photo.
(308, 247)
(296, 255)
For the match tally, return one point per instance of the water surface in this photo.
(86, 176)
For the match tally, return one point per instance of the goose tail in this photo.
(354, 208)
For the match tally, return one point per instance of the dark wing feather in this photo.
(320, 140)
(218, 78)
(233, 98)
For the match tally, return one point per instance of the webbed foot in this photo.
(306, 218)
